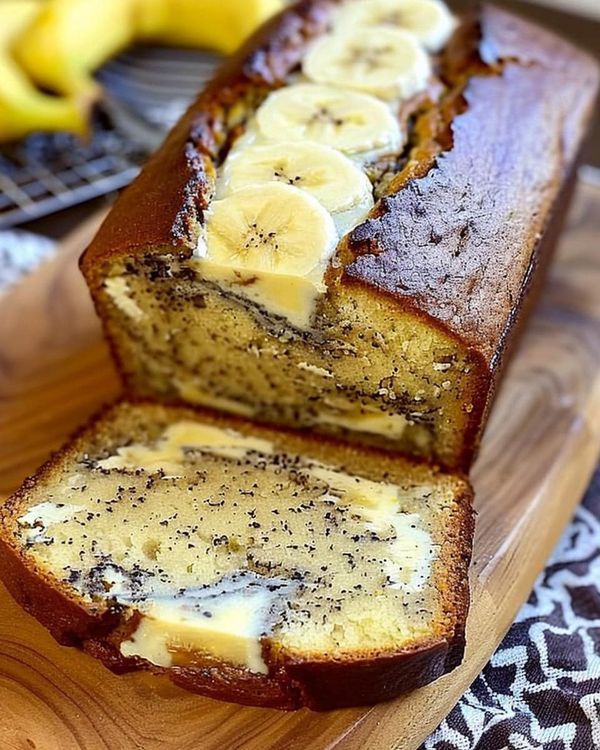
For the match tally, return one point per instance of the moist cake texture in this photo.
(216, 551)
(341, 234)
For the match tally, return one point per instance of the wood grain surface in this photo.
(538, 454)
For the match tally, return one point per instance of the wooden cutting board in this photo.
(538, 454)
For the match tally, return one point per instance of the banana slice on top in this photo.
(429, 20)
(272, 228)
(333, 179)
(389, 63)
(346, 120)
(269, 244)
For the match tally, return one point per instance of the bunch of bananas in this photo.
(49, 49)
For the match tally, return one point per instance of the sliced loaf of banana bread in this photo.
(344, 229)
(247, 564)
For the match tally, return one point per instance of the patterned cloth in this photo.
(21, 252)
(541, 689)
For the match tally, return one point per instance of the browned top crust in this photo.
(457, 244)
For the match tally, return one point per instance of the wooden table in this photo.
(538, 454)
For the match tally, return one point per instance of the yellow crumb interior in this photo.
(223, 542)
(364, 367)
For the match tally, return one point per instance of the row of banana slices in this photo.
(295, 183)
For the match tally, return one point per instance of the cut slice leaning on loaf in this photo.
(246, 564)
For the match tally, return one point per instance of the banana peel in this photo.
(69, 39)
(23, 108)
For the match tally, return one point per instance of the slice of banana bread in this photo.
(247, 564)
(343, 231)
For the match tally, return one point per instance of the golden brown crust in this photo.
(465, 242)
(460, 242)
(460, 239)
(162, 207)
(291, 683)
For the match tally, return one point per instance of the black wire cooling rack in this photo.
(147, 89)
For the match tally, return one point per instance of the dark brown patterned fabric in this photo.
(541, 689)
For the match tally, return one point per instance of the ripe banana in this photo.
(389, 63)
(352, 122)
(70, 38)
(429, 20)
(335, 181)
(23, 108)
(216, 24)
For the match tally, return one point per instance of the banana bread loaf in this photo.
(343, 230)
(247, 564)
